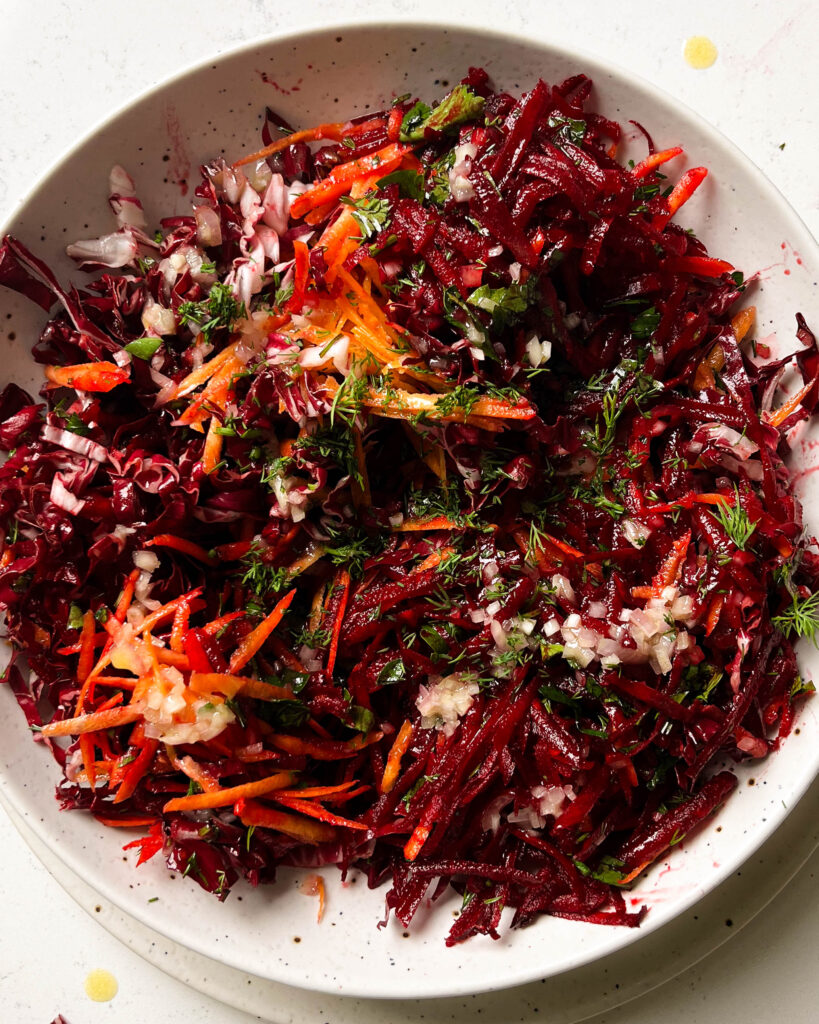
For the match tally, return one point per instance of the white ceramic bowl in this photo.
(161, 139)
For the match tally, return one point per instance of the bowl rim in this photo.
(599, 68)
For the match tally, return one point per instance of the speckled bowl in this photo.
(161, 139)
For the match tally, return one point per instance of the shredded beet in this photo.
(417, 504)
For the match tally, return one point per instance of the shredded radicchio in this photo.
(416, 504)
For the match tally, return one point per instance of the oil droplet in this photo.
(699, 52)
(101, 986)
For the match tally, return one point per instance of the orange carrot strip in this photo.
(109, 719)
(416, 841)
(99, 640)
(127, 596)
(397, 751)
(654, 160)
(714, 610)
(342, 176)
(343, 579)
(319, 214)
(435, 523)
(306, 831)
(681, 193)
(137, 769)
(101, 376)
(204, 372)
(133, 821)
(316, 791)
(335, 131)
(671, 566)
(86, 661)
(182, 544)
(125, 684)
(194, 771)
(253, 641)
(181, 619)
(434, 559)
(329, 750)
(792, 404)
(230, 685)
(214, 442)
(742, 322)
(313, 885)
(224, 797)
(317, 811)
(212, 628)
(406, 405)
(167, 611)
(165, 656)
(215, 394)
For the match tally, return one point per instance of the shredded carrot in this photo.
(404, 405)
(714, 610)
(203, 373)
(215, 395)
(131, 821)
(681, 193)
(743, 321)
(127, 596)
(416, 841)
(313, 885)
(100, 377)
(653, 161)
(323, 751)
(317, 811)
(181, 619)
(194, 771)
(253, 641)
(137, 769)
(397, 751)
(250, 813)
(671, 566)
(434, 523)
(334, 131)
(343, 581)
(342, 176)
(214, 442)
(312, 792)
(86, 662)
(96, 720)
(229, 795)
(214, 627)
(434, 559)
(183, 545)
(784, 411)
(230, 685)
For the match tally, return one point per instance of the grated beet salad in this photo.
(416, 504)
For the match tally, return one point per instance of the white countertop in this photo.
(64, 66)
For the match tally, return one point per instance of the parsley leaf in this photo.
(459, 106)
(371, 213)
(410, 183)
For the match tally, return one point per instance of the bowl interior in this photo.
(162, 139)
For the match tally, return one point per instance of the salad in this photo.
(416, 504)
